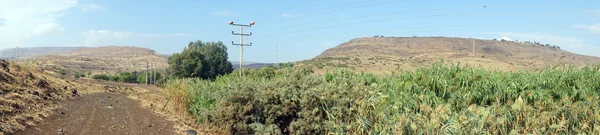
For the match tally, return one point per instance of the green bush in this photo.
(101, 77)
(78, 75)
(114, 78)
(141, 78)
(205, 60)
(442, 99)
(320, 66)
(61, 72)
(128, 77)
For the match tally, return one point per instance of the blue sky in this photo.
(301, 28)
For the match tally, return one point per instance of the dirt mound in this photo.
(27, 96)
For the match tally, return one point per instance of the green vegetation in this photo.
(534, 43)
(442, 99)
(78, 75)
(205, 60)
(320, 65)
(141, 78)
(128, 77)
(101, 77)
(61, 72)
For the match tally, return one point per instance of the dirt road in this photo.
(102, 113)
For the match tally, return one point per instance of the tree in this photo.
(142, 77)
(199, 59)
(127, 77)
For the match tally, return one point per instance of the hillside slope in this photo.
(28, 95)
(111, 59)
(382, 54)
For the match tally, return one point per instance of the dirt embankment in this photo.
(27, 96)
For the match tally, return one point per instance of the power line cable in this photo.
(401, 28)
(414, 17)
(294, 6)
(335, 10)
(364, 16)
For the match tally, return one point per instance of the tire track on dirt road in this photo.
(88, 121)
(102, 113)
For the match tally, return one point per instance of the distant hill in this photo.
(382, 54)
(110, 59)
(235, 64)
(30, 52)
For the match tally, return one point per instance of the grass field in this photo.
(441, 99)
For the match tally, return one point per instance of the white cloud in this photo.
(592, 28)
(47, 29)
(110, 38)
(225, 13)
(22, 19)
(288, 15)
(91, 7)
(539, 37)
(106, 37)
(567, 43)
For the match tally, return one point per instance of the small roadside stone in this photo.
(191, 132)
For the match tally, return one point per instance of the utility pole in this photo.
(147, 66)
(154, 74)
(151, 73)
(241, 44)
(473, 47)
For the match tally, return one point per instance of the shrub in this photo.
(78, 75)
(101, 77)
(442, 99)
(127, 77)
(320, 66)
(141, 78)
(61, 72)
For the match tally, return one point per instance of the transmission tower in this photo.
(241, 44)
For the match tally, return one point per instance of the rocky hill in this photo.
(111, 59)
(383, 54)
